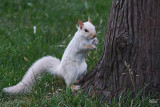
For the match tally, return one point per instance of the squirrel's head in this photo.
(87, 29)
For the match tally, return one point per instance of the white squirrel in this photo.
(71, 66)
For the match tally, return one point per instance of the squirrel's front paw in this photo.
(91, 46)
(95, 41)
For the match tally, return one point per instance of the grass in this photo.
(56, 22)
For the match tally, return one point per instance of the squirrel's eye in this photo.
(85, 30)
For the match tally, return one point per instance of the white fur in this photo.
(71, 66)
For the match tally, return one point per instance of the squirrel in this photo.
(71, 67)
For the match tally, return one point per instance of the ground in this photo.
(55, 23)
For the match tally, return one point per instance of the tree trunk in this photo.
(131, 52)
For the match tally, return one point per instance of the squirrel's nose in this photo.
(93, 35)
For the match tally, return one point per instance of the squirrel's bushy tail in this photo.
(45, 64)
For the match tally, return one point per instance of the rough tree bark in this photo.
(131, 52)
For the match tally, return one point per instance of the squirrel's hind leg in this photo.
(71, 75)
(72, 86)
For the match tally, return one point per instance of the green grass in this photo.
(56, 22)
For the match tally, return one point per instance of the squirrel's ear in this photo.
(89, 19)
(80, 23)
